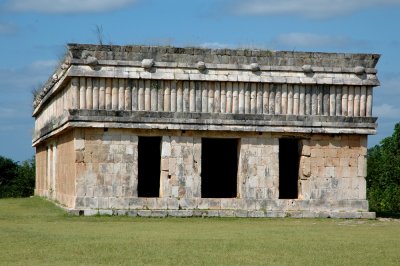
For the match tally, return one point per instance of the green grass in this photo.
(35, 232)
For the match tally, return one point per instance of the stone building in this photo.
(165, 131)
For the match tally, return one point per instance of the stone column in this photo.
(210, 107)
(363, 101)
(217, 97)
(302, 102)
(253, 98)
(128, 95)
(141, 97)
(82, 93)
(271, 101)
(326, 96)
(369, 102)
(265, 98)
(241, 97)
(186, 96)
(345, 93)
(179, 96)
(108, 94)
(319, 100)
(75, 93)
(173, 96)
(314, 100)
(332, 100)
(284, 99)
(121, 94)
(114, 94)
(102, 94)
(308, 99)
(160, 91)
(135, 97)
(192, 97)
(338, 102)
(223, 97)
(153, 95)
(235, 98)
(296, 98)
(247, 98)
(89, 93)
(197, 85)
(147, 95)
(357, 92)
(229, 97)
(259, 98)
(350, 106)
(204, 97)
(290, 99)
(95, 83)
(167, 96)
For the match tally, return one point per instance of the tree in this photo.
(16, 180)
(383, 174)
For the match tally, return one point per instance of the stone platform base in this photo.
(226, 213)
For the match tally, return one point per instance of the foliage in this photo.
(383, 177)
(16, 180)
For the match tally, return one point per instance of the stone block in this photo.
(132, 213)
(144, 213)
(105, 212)
(180, 213)
(159, 213)
(120, 212)
(241, 213)
(227, 213)
(90, 212)
(213, 213)
(257, 214)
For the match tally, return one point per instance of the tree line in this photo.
(16, 179)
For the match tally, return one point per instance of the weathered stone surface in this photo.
(92, 113)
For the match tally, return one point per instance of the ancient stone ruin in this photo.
(166, 131)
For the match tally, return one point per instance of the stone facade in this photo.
(104, 101)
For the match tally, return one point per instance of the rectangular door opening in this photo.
(219, 164)
(149, 159)
(289, 158)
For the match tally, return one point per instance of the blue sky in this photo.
(33, 34)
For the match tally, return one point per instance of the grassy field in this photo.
(35, 232)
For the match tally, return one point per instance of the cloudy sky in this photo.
(33, 34)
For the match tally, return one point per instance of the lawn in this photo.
(35, 232)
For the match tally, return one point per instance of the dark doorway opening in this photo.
(289, 158)
(219, 163)
(149, 159)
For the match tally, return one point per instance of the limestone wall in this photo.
(333, 168)
(258, 171)
(41, 185)
(66, 170)
(331, 173)
(55, 169)
(106, 167)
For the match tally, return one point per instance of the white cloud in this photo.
(311, 40)
(7, 28)
(67, 6)
(387, 111)
(315, 9)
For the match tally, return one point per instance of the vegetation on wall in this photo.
(16, 179)
(383, 177)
